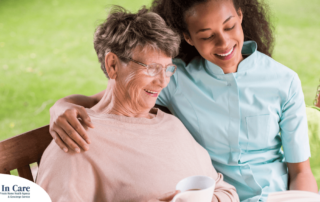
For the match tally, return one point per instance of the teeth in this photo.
(149, 91)
(224, 55)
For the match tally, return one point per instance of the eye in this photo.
(228, 29)
(208, 37)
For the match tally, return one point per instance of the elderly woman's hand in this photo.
(166, 197)
(68, 128)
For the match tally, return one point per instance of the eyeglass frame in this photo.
(147, 66)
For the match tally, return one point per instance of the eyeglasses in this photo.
(154, 68)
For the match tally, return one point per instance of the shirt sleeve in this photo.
(223, 192)
(66, 176)
(294, 126)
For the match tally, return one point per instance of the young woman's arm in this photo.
(301, 177)
(65, 127)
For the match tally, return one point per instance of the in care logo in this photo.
(18, 189)
(15, 188)
(15, 191)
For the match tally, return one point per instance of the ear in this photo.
(188, 39)
(111, 62)
(240, 14)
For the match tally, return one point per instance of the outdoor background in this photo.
(46, 53)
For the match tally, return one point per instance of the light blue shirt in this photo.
(243, 119)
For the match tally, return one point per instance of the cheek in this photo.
(138, 83)
(203, 47)
(167, 81)
(239, 34)
(132, 83)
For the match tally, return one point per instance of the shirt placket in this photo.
(234, 135)
(234, 117)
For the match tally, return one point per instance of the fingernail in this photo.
(65, 150)
(77, 150)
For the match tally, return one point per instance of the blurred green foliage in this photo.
(46, 52)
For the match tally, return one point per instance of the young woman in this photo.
(236, 101)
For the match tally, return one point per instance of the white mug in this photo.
(195, 189)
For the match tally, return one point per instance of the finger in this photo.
(67, 140)
(75, 137)
(169, 196)
(58, 141)
(85, 128)
(77, 125)
(82, 113)
(57, 138)
(86, 136)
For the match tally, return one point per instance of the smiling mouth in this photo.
(227, 55)
(152, 93)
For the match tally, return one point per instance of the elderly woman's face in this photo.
(141, 88)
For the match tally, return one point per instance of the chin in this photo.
(152, 105)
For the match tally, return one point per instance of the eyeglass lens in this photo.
(154, 69)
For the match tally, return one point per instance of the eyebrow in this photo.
(202, 30)
(228, 19)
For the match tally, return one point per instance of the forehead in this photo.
(213, 12)
(149, 54)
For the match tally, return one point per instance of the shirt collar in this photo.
(249, 49)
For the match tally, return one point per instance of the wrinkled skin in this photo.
(126, 92)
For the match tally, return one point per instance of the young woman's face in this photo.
(216, 32)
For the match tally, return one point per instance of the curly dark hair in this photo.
(256, 22)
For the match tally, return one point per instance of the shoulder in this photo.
(170, 119)
(270, 64)
(57, 165)
(104, 123)
(53, 156)
(177, 130)
(173, 125)
(195, 64)
(285, 78)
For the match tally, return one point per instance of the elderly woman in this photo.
(138, 152)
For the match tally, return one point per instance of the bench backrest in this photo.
(22, 150)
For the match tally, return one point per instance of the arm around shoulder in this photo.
(81, 100)
(65, 127)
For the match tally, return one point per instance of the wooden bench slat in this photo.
(5, 171)
(25, 172)
(24, 149)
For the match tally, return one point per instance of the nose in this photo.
(160, 78)
(222, 40)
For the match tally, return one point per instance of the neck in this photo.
(115, 101)
(234, 68)
(229, 70)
